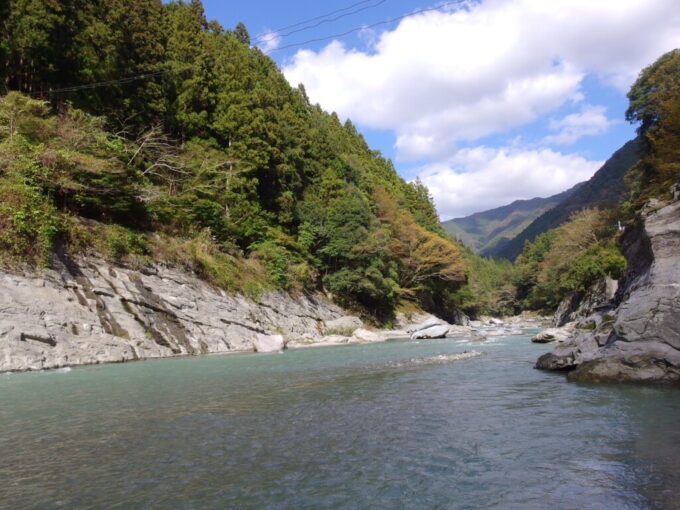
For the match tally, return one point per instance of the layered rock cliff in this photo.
(636, 338)
(88, 311)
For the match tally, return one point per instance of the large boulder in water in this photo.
(431, 332)
(428, 323)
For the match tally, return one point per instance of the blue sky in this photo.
(487, 101)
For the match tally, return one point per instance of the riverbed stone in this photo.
(552, 335)
(439, 331)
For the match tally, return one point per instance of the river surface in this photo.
(398, 425)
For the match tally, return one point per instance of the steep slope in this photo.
(487, 232)
(209, 161)
(605, 187)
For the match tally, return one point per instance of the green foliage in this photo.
(117, 242)
(655, 104)
(214, 152)
(567, 259)
(596, 262)
(490, 289)
(28, 224)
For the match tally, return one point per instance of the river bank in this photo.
(88, 311)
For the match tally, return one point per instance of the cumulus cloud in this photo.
(268, 41)
(592, 120)
(446, 76)
(484, 178)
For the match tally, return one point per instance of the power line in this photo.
(315, 18)
(365, 27)
(318, 24)
(292, 45)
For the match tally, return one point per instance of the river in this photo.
(395, 425)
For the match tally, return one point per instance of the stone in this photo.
(430, 322)
(551, 335)
(268, 343)
(432, 332)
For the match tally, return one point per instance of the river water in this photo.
(403, 424)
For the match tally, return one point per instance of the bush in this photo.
(28, 225)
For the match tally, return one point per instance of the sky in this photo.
(486, 101)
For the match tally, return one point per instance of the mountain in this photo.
(187, 145)
(605, 187)
(487, 232)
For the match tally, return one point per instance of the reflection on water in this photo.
(395, 425)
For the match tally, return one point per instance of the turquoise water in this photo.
(393, 425)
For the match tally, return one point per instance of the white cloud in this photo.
(590, 121)
(483, 178)
(268, 41)
(441, 77)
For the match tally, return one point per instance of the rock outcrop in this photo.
(88, 311)
(579, 305)
(552, 335)
(637, 338)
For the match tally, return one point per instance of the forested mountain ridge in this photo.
(606, 188)
(141, 129)
(487, 232)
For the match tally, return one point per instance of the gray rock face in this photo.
(87, 311)
(269, 343)
(346, 324)
(431, 332)
(639, 341)
(577, 306)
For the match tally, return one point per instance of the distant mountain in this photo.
(487, 232)
(604, 187)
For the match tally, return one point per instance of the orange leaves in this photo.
(421, 255)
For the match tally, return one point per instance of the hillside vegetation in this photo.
(605, 189)
(204, 157)
(487, 232)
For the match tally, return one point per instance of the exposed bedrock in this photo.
(635, 338)
(88, 311)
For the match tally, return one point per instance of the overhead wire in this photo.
(277, 33)
(314, 18)
(280, 48)
(366, 27)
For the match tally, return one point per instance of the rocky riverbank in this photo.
(89, 311)
(634, 337)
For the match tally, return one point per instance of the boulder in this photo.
(431, 332)
(552, 335)
(459, 318)
(432, 321)
(268, 343)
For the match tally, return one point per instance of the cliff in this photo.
(637, 338)
(88, 311)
